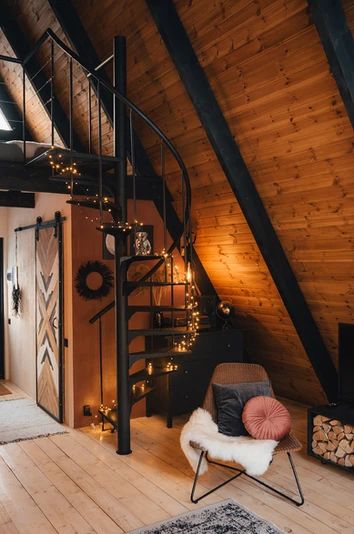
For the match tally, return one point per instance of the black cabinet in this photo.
(183, 390)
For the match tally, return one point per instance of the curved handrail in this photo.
(102, 312)
(49, 34)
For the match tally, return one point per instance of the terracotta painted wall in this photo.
(21, 332)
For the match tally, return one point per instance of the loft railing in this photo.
(101, 84)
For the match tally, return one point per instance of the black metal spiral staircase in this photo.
(99, 180)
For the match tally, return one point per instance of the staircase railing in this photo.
(94, 74)
(117, 162)
(100, 84)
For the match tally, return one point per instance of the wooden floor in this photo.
(77, 483)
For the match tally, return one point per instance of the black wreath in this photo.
(81, 277)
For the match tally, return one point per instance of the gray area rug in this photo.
(22, 419)
(226, 517)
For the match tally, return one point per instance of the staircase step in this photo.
(178, 330)
(132, 259)
(158, 353)
(115, 230)
(135, 284)
(80, 180)
(93, 203)
(81, 160)
(147, 308)
(144, 375)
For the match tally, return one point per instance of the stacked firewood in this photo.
(333, 440)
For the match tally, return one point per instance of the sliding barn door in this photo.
(49, 319)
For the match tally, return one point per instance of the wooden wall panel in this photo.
(270, 75)
(224, 241)
(285, 111)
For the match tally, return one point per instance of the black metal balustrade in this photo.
(96, 176)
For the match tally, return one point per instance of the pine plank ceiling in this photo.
(266, 65)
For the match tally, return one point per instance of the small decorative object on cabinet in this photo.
(183, 390)
(331, 434)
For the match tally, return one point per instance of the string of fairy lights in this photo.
(181, 342)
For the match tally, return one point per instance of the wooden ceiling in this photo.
(268, 70)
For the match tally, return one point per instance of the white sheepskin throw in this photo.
(254, 455)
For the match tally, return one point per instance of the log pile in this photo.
(333, 440)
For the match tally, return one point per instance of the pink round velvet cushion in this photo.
(266, 418)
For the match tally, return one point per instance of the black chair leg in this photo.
(282, 494)
(195, 500)
(239, 473)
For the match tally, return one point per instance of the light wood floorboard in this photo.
(76, 483)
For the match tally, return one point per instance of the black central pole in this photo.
(121, 319)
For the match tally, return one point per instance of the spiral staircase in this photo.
(99, 180)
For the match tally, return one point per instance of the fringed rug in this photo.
(22, 419)
(226, 517)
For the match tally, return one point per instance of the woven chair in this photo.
(237, 373)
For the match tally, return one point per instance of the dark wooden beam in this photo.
(197, 85)
(17, 199)
(338, 43)
(39, 81)
(78, 38)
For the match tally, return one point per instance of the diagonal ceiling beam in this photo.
(338, 43)
(21, 47)
(198, 88)
(77, 36)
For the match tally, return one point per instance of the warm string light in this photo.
(105, 409)
(171, 367)
(120, 225)
(186, 342)
(60, 167)
(141, 388)
(165, 255)
(124, 226)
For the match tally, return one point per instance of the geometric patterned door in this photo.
(49, 321)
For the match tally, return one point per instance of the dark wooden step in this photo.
(132, 259)
(93, 203)
(147, 308)
(158, 353)
(178, 331)
(65, 156)
(143, 374)
(135, 284)
(114, 229)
